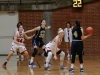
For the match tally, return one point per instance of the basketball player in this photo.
(37, 40)
(68, 37)
(22, 57)
(52, 48)
(18, 43)
(77, 45)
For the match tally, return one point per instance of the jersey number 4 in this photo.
(75, 34)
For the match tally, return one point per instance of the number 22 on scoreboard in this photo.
(77, 3)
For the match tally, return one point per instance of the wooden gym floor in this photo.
(17, 67)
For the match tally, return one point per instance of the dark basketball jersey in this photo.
(76, 33)
(39, 35)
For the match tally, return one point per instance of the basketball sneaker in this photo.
(17, 57)
(50, 64)
(81, 70)
(47, 68)
(22, 57)
(68, 56)
(32, 65)
(4, 65)
(71, 70)
(62, 67)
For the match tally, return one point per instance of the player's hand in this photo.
(49, 27)
(22, 44)
(89, 35)
(55, 57)
(24, 33)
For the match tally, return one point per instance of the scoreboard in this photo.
(77, 3)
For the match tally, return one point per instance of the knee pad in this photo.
(34, 53)
(49, 57)
(45, 54)
(62, 55)
(59, 52)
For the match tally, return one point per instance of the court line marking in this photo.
(38, 64)
(57, 62)
(70, 64)
(75, 67)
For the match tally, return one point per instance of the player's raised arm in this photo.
(48, 27)
(32, 30)
(27, 37)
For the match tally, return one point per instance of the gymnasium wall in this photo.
(89, 16)
(30, 20)
(8, 23)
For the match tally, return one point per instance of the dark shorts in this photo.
(38, 43)
(77, 48)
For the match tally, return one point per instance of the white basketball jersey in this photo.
(68, 35)
(20, 37)
(16, 30)
(52, 44)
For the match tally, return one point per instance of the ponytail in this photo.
(78, 22)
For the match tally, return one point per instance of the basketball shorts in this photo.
(15, 47)
(38, 43)
(77, 48)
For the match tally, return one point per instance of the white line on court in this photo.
(70, 64)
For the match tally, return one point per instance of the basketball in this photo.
(89, 30)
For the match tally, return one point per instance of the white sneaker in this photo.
(17, 57)
(50, 64)
(68, 56)
(22, 57)
(62, 67)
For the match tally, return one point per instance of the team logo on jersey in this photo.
(75, 34)
(42, 34)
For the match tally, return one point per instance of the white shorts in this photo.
(67, 39)
(15, 47)
(49, 47)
